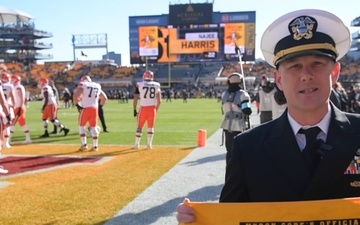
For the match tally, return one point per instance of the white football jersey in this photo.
(90, 95)
(1, 108)
(19, 96)
(51, 96)
(8, 89)
(148, 91)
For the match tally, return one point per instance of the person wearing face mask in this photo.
(278, 103)
(236, 107)
(266, 93)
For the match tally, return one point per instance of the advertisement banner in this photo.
(201, 36)
(235, 17)
(184, 14)
(234, 34)
(322, 212)
(148, 41)
(139, 21)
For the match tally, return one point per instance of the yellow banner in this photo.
(148, 41)
(234, 33)
(324, 212)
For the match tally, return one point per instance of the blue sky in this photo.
(67, 17)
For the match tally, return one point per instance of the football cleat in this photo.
(95, 148)
(137, 146)
(27, 142)
(83, 148)
(46, 134)
(66, 130)
(7, 145)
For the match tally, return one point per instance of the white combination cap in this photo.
(305, 32)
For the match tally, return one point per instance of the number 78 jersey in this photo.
(148, 91)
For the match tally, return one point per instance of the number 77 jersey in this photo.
(90, 95)
(148, 91)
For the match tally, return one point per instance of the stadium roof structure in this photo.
(8, 15)
(356, 22)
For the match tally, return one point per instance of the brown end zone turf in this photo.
(21, 164)
(88, 193)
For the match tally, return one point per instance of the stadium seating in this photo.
(182, 76)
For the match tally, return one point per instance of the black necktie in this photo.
(312, 157)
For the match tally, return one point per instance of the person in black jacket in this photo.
(102, 118)
(278, 103)
(266, 94)
(308, 152)
(335, 99)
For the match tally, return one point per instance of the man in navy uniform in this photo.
(308, 152)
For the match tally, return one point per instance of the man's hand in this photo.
(79, 108)
(8, 122)
(185, 214)
(19, 112)
(135, 113)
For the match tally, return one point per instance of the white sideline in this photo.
(199, 176)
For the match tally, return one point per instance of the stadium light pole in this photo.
(238, 52)
(146, 63)
(169, 74)
(168, 52)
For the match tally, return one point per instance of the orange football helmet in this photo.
(148, 75)
(5, 77)
(43, 82)
(16, 79)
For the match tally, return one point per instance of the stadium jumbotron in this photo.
(192, 33)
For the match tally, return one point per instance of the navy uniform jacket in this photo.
(267, 164)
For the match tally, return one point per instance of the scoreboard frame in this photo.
(153, 40)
